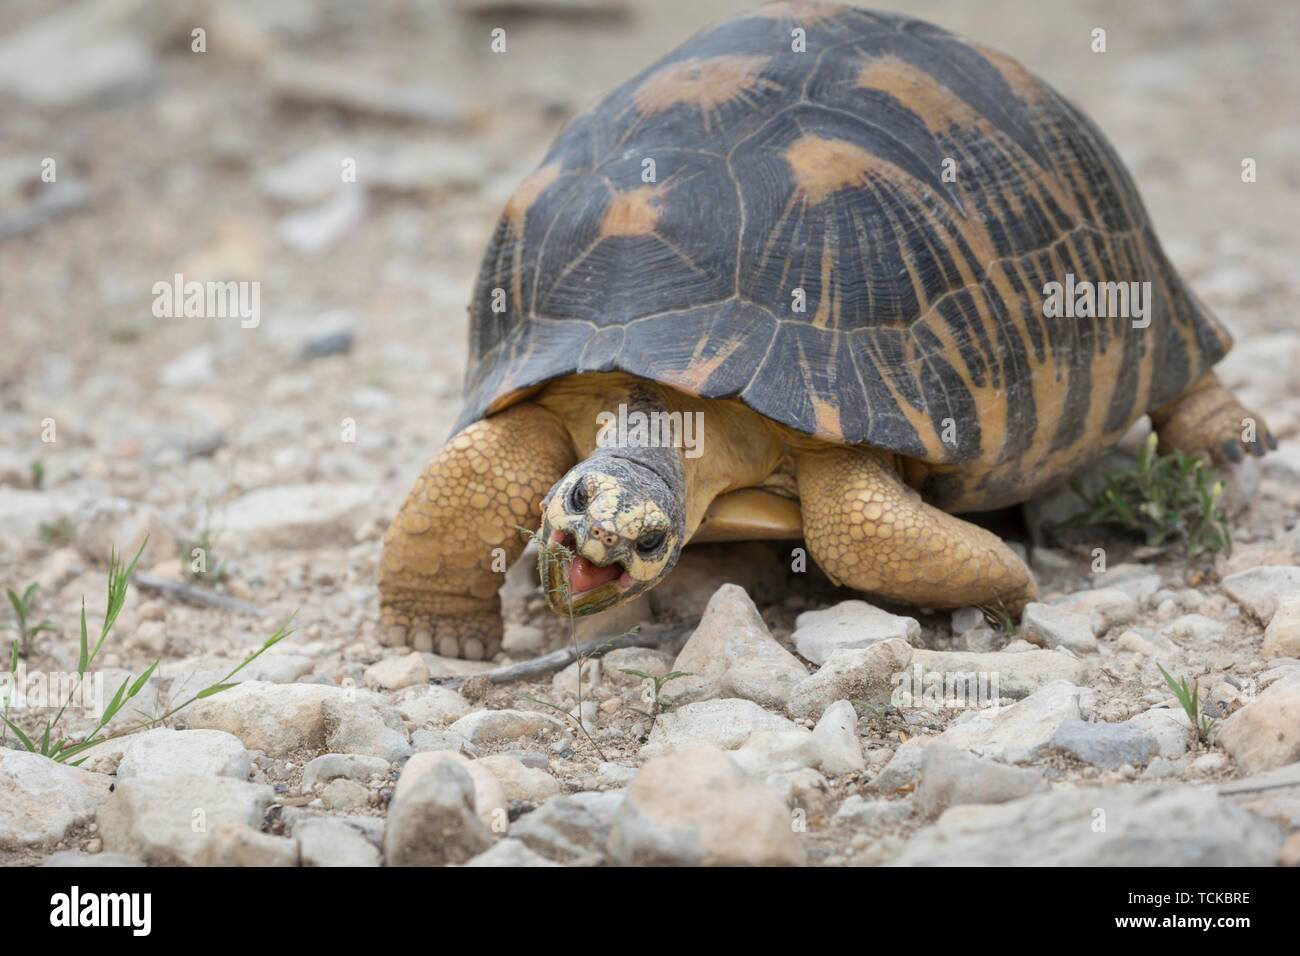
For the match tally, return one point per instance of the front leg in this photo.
(868, 530)
(446, 550)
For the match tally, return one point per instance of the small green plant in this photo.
(658, 703)
(56, 533)
(197, 561)
(999, 618)
(38, 473)
(1162, 497)
(548, 551)
(49, 742)
(1190, 699)
(13, 678)
(22, 604)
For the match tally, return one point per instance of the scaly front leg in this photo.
(868, 530)
(447, 549)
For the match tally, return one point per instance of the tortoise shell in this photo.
(913, 191)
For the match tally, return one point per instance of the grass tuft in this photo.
(1190, 699)
(23, 606)
(1164, 498)
(48, 742)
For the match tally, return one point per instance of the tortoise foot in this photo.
(1208, 418)
(473, 636)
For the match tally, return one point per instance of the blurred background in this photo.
(224, 165)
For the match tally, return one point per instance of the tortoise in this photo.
(827, 236)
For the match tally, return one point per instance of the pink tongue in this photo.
(583, 575)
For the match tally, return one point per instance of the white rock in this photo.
(23, 513)
(732, 655)
(696, 807)
(1259, 590)
(965, 620)
(1054, 626)
(40, 799)
(726, 724)
(1266, 732)
(431, 705)
(904, 767)
(1105, 607)
(867, 674)
(510, 853)
(281, 719)
(1170, 729)
(191, 369)
(328, 842)
(298, 516)
(873, 813)
(327, 767)
(776, 751)
(394, 673)
(277, 719)
(360, 729)
(112, 40)
(491, 802)
(523, 640)
(1144, 826)
(238, 844)
(836, 739)
(431, 818)
(167, 821)
(1017, 734)
(950, 777)
(166, 753)
(995, 674)
(849, 624)
(572, 828)
(803, 789)
(117, 524)
(520, 782)
(313, 231)
(344, 794)
(487, 727)
(1136, 580)
(75, 858)
(1282, 636)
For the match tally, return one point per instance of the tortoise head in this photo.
(612, 528)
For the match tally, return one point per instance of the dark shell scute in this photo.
(855, 241)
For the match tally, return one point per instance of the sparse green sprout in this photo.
(999, 618)
(22, 604)
(549, 551)
(48, 742)
(198, 563)
(13, 677)
(1165, 498)
(658, 703)
(38, 473)
(1190, 699)
(56, 533)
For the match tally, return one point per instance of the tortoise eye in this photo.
(649, 543)
(578, 497)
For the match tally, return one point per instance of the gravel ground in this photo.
(281, 450)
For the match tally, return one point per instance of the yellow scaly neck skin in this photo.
(739, 448)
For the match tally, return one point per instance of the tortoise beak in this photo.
(572, 583)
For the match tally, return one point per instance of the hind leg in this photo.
(1207, 417)
(446, 551)
(868, 530)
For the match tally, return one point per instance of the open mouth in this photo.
(588, 587)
